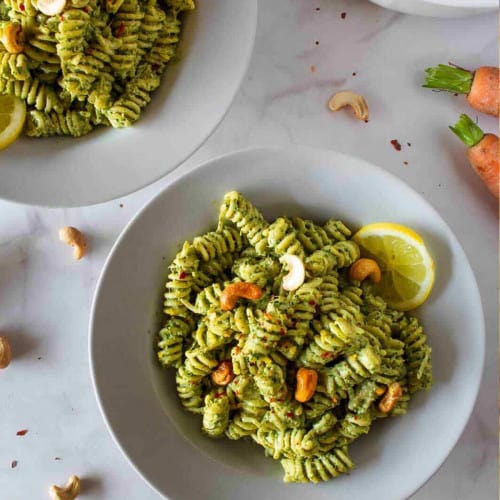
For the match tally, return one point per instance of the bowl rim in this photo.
(481, 333)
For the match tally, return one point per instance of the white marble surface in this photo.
(45, 296)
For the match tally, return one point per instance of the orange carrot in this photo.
(480, 86)
(482, 152)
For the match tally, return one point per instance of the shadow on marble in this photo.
(23, 345)
(91, 485)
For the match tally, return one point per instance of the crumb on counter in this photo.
(343, 15)
(313, 68)
(22, 432)
(396, 145)
(13, 465)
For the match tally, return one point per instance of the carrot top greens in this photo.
(449, 78)
(467, 131)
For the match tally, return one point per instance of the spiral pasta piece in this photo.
(172, 336)
(338, 255)
(42, 124)
(180, 281)
(216, 414)
(250, 222)
(417, 353)
(311, 236)
(214, 244)
(337, 230)
(316, 469)
(283, 239)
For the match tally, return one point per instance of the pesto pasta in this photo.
(95, 63)
(246, 347)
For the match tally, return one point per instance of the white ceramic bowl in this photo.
(138, 398)
(194, 96)
(440, 8)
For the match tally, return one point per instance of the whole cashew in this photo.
(223, 374)
(234, 291)
(348, 98)
(5, 353)
(296, 272)
(364, 268)
(11, 37)
(74, 238)
(68, 492)
(307, 380)
(391, 397)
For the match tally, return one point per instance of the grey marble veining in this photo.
(45, 296)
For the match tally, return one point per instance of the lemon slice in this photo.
(406, 265)
(12, 116)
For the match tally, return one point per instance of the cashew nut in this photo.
(223, 374)
(364, 268)
(296, 272)
(391, 397)
(234, 291)
(74, 238)
(307, 380)
(67, 492)
(12, 37)
(5, 353)
(51, 7)
(348, 98)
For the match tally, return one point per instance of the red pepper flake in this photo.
(327, 355)
(218, 395)
(312, 303)
(313, 68)
(289, 414)
(396, 145)
(86, 9)
(182, 275)
(120, 30)
(272, 400)
(13, 465)
(343, 15)
(22, 8)
(22, 433)
(282, 331)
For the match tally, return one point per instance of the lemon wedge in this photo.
(406, 265)
(12, 116)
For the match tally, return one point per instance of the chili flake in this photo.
(218, 395)
(312, 303)
(327, 355)
(282, 331)
(120, 30)
(22, 8)
(290, 414)
(182, 275)
(396, 145)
